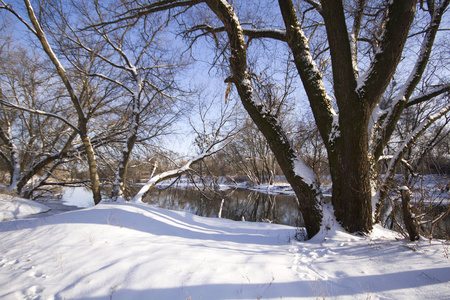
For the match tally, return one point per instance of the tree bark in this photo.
(410, 224)
(350, 173)
(121, 176)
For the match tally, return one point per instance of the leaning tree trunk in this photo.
(291, 165)
(82, 120)
(300, 177)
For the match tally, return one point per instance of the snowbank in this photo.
(13, 207)
(123, 251)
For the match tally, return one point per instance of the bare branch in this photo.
(407, 143)
(252, 33)
(400, 102)
(40, 112)
(11, 10)
(136, 13)
(154, 180)
(315, 4)
(429, 95)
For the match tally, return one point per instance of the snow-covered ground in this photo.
(15, 208)
(124, 251)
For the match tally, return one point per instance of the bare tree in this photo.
(34, 142)
(34, 26)
(137, 62)
(364, 59)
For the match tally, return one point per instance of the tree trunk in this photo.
(350, 172)
(93, 174)
(410, 224)
(82, 121)
(121, 176)
(303, 184)
(287, 158)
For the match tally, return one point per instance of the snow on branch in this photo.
(174, 173)
(315, 4)
(403, 161)
(390, 117)
(252, 33)
(408, 142)
(42, 179)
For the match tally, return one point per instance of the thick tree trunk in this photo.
(350, 171)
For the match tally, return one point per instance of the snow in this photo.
(76, 196)
(124, 251)
(303, 171)
(13, 207)
(278, 188)
(335, 131)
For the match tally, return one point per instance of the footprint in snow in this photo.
(32, 293)
(38, 274)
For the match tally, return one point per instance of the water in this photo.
(236, 204)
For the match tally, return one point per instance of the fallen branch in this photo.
(154, 180)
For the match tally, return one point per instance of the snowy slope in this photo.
(122, 251)
(13, 207)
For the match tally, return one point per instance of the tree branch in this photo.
(252, 33)
(309, 73)
(429, 95)
(340, 50)
(399, 18)
(154, 180)
(40, 112)
(391, 117)
(136, 13)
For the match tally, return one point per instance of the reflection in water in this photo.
(237, 204)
